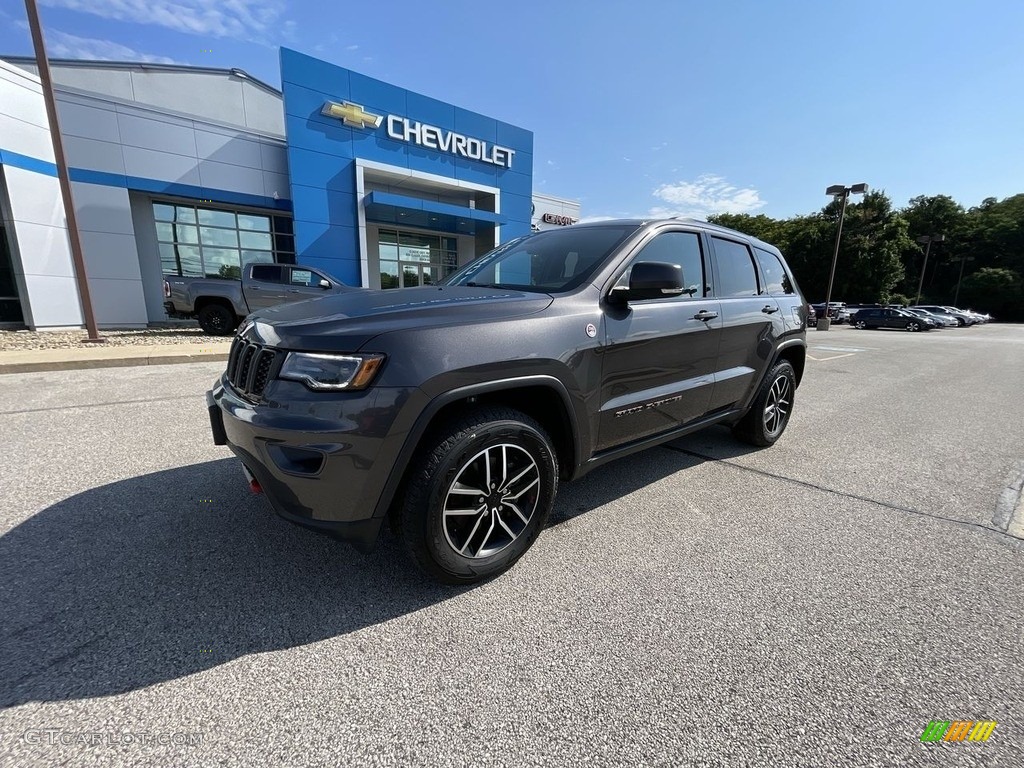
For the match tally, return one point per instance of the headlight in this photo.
(331, 372)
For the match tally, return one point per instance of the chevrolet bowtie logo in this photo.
(352, 115)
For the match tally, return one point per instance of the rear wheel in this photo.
(860, 324)
(479, 495)
(769, 414)
(217, 320)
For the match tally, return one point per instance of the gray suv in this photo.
(453, 411)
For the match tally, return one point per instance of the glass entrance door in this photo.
(410, 259)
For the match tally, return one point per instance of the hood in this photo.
(347, 321)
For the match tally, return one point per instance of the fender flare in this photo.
(433, 407)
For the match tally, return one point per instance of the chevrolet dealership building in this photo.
(194, 171)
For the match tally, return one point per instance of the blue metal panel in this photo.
(331, 208)
(432, 206)
(26, 163)
(321, 150)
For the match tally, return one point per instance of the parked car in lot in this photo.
(455, 410)
(892, 318)
(942, 321)
(220, 303)
(836, 310)
(961, 318)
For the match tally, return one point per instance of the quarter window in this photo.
(775, 277)
(681, 248)
(736, 275)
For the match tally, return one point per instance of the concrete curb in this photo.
(75, 359)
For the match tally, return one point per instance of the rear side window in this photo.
(775, 276)
(682, 248)
(266, 273)
(736, 274)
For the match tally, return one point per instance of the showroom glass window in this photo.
(736, 275)
(682, 248)
(197, 241)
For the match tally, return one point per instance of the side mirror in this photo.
(653, 280)
(325, 284)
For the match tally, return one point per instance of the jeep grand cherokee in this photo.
(455, 410)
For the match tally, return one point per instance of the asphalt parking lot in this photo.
(817, 603)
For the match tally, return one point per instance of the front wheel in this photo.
(913, 326)
(479, 495)
(769, 414)
(861, 324)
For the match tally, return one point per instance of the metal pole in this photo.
(835, 254)
(963, 260)
(920, 285)
(50, 100)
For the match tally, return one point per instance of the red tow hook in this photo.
(254, 486)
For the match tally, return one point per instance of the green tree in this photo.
(995, 290)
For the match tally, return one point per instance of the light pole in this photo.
(963, 261)
(62, 171)
(837, 191)
(929, 239)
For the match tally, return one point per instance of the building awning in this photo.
(389, 208)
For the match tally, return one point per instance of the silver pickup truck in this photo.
(220, 304)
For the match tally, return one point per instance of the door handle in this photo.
(769, 309)
(254, 288)
(705, 315)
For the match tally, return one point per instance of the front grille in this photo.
(250, 366)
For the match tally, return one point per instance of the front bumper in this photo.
(322, 460)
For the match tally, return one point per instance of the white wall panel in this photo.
(151, 164)
(34, 197)
(94, 155)
(222, 148)
(118, 302)
(44, 250)
(274, 157)
(276, 182)
(147, 133)
(102, 209)
(234, 178)
(52, 301)
(90, 122)
(109, 255)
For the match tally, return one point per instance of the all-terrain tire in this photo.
(508, 461)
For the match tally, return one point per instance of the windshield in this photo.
(554, 261)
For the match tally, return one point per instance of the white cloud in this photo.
(61, 45)
(706, 195)
(351, 47)
(254, 20)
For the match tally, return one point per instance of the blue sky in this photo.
(646, 107)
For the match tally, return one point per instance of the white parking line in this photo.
(834, 357)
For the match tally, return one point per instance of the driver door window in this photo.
(682, 249)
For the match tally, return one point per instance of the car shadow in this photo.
(163, 575)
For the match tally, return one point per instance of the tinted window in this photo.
(266, 273)
(736, 275)
(682, 248)
(775, 277)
